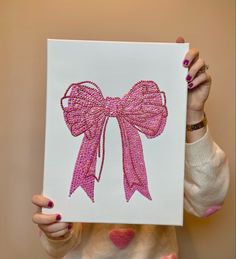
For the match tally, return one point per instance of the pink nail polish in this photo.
(188, 78)
(70, 226)
(50, 204)
(186, 62)
(190, 86)
(58, 217)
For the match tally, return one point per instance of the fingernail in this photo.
(186, 62)
(188, 78)
(190, 85)
(50, 204)
(58, 217)
(70, 226)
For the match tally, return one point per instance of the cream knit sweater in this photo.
(206, 184)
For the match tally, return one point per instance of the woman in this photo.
(206, 184)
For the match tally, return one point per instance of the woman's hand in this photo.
(49, 223)
(199, 83)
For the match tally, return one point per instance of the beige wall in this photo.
(25, 26)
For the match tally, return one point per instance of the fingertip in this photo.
(188, 78)
(190, 86)
(58, 217)
(41, 201)
(185, 62)
(50, 204)
(191, 56)
(180, 39)
(70, 225)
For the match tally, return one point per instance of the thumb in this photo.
(180, 40)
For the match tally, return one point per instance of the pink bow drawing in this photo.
(86, 111)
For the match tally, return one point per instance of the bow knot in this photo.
(113, 106)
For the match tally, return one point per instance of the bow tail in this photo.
(84, 174)
(135, 176)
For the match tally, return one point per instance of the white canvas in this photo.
(115, 67)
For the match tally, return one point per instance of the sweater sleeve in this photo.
(206, 177)
(57, 248)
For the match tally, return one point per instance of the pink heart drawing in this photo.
(121, 237)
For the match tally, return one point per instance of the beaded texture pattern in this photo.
(143, 109)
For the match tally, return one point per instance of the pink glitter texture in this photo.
(86, 111)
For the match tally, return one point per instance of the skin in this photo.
(198, 90)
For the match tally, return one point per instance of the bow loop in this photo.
(145, 108)
(82, 106)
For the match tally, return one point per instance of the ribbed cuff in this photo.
(200, 151)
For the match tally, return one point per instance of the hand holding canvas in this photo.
(199, 83)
